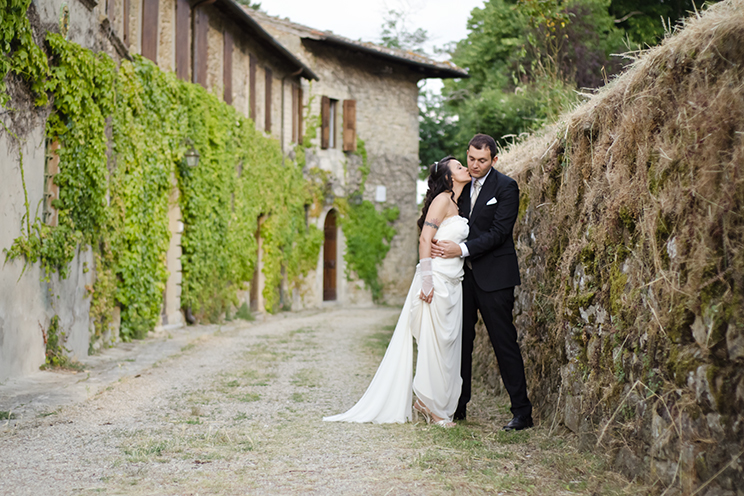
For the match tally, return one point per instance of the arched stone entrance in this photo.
(329, 257)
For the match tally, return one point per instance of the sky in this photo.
(444, 20)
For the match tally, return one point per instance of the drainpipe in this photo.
(281, 134)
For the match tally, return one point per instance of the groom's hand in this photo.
(445, 249)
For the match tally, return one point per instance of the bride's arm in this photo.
(434, 217)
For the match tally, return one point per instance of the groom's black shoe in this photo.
(519, 422)
(459, 415)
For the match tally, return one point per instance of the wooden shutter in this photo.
(125, 23)
(150, 29)
(252, 87)
(183, 19)
(294, 113)
(227, 75)
(199, 52)
(325, 122)
(269, 83)
(299, 115)
(350, 125)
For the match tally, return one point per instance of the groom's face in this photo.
(479, 161)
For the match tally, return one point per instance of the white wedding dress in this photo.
(437, 327)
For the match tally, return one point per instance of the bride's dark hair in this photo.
(440, 179)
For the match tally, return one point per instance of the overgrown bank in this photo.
(630, 238)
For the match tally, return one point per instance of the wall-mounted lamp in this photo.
(192, 157)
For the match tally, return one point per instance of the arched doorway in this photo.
(329, 257)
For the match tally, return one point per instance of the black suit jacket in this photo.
(491, 241)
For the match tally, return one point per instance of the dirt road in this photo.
(237, 410)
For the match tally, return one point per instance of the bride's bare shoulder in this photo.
(443, 198)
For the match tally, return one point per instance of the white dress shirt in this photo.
(480, 180)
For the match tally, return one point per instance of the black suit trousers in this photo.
(496, 309)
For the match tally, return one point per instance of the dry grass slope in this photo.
(631, 244)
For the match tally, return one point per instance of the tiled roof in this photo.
(426, 65)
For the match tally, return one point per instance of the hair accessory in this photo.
(436, 166)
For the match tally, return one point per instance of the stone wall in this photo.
(631, 310)
(27, 304)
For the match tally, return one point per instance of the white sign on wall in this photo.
(381, 194)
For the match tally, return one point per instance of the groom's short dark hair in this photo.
(480, 141)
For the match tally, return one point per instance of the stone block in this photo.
(572, 413)
(735, 340)
(627, 463)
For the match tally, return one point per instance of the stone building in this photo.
(214, 43)
(284, 77)
(369, 93)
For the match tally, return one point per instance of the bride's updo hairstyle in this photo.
(440, 179)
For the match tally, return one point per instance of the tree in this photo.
(395, 33)
(525, 59)
(644, 20)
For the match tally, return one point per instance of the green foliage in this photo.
(121, 208)
(147, 143)
(368, 234)
(438, 132)
(56, 353)
(525, 59)
(244, 313)
(80, 83)
(240, 177)
(18, 52)
(644, 21)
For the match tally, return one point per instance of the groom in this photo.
(490, 203)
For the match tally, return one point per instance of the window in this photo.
(328, 122)
(227, 66)
(150, 29)
(269, 82)
(349, 125)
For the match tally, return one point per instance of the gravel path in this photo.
(237, 409)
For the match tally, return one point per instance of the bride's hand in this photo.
(425, 298)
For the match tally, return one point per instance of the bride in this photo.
(432, 314)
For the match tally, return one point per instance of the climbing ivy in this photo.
(18, 52)
(368, 232)
(79, 82)
(147, 136)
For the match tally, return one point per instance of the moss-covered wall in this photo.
(631, 243)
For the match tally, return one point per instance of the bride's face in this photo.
(459, 172)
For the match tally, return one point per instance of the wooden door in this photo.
(254, 282)
(329, 257)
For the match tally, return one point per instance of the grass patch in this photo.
(7, 415)
(308, 377)
(248, 397)
(377, 342)
(244, 313)
(263, 353)
(257, 378)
